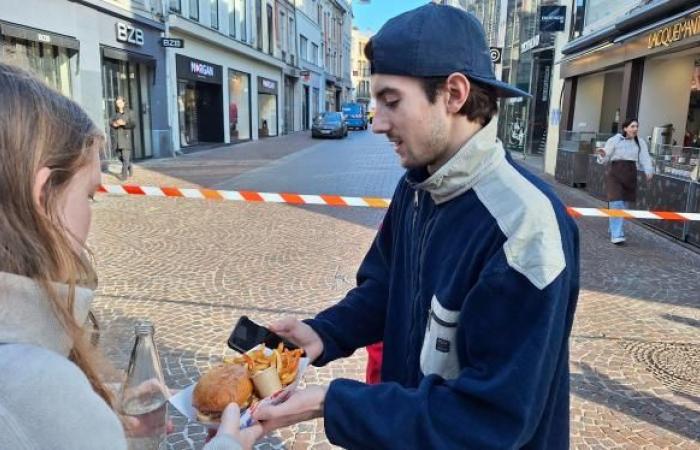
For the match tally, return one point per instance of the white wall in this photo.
(666, 94)
(588, 101)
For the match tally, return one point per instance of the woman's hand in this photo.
(231, 425)
(650, 176)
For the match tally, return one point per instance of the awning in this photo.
(36, 35)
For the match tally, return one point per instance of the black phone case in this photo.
(268, 338)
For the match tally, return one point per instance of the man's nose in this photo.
(380, 124)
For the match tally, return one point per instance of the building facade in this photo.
(361, 77)
(233, 70)
(94, 51)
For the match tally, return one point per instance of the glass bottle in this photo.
(144, 395)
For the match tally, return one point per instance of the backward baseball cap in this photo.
(436, 40)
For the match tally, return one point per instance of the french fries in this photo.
(285, 361)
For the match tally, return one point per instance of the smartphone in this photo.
(247, 335)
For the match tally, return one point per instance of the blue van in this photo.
(355, 115)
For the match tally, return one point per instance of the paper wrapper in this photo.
(182, 401)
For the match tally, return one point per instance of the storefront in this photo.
(119, 54)
(199, 101)
(267, 107)
(239, 112)
(648, 69)
(46, 54)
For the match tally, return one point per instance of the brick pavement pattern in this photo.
(193, 267)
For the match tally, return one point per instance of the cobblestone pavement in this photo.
(193, 267)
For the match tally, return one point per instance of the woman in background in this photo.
(625, 152)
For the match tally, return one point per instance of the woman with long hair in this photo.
(51, 391)
(625, 152)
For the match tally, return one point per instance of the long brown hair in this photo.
(41, 128)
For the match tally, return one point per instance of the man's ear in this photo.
(457, 88)
(42, 176)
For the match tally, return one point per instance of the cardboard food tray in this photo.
(182, 401)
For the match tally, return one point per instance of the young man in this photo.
(472, 281)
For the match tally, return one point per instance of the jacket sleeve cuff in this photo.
(337, 414)
(330, 349)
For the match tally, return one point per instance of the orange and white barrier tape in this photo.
(633, 214)
(341, 200)
(246, 196)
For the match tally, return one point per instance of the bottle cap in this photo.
(144, 328)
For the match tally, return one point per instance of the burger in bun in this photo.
(222, 385)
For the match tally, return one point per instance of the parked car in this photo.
(330, 124)
(355, 113)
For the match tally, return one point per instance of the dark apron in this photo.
(621, 181)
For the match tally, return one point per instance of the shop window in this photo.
(239, 105)
(175, 6)
(48, 62)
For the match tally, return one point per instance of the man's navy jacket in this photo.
(472, 284)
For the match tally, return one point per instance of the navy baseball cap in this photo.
(436, 40)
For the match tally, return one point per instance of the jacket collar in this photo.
(26, 317)
(477, 157)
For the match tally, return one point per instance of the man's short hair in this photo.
(481, 104)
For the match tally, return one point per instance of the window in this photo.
(174, 6)
(241, 12)
(232, 18)
(319, 13)
(314, 53)
(269, 29)
(290, 37)
(259, 24)
(303, 48)
(214, 11)
(194, 9)
(282, 32)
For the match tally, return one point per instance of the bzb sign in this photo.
(130, 35)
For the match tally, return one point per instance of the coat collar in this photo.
(477, 157)
(26, 317)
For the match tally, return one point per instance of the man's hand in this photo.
(601, 152)
(301, 406)
(231, 425)
(301, 334)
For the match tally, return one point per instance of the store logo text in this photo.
(201, 69)
(674, 33)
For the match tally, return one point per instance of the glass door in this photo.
(121, 79)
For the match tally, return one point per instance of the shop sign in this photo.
(128, 34)
(496, 54)
(678, 31)
(201, 69)
(552, 18)
(266, 86)
(172, 43)
(530, 44)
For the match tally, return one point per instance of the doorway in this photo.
(129, 80)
